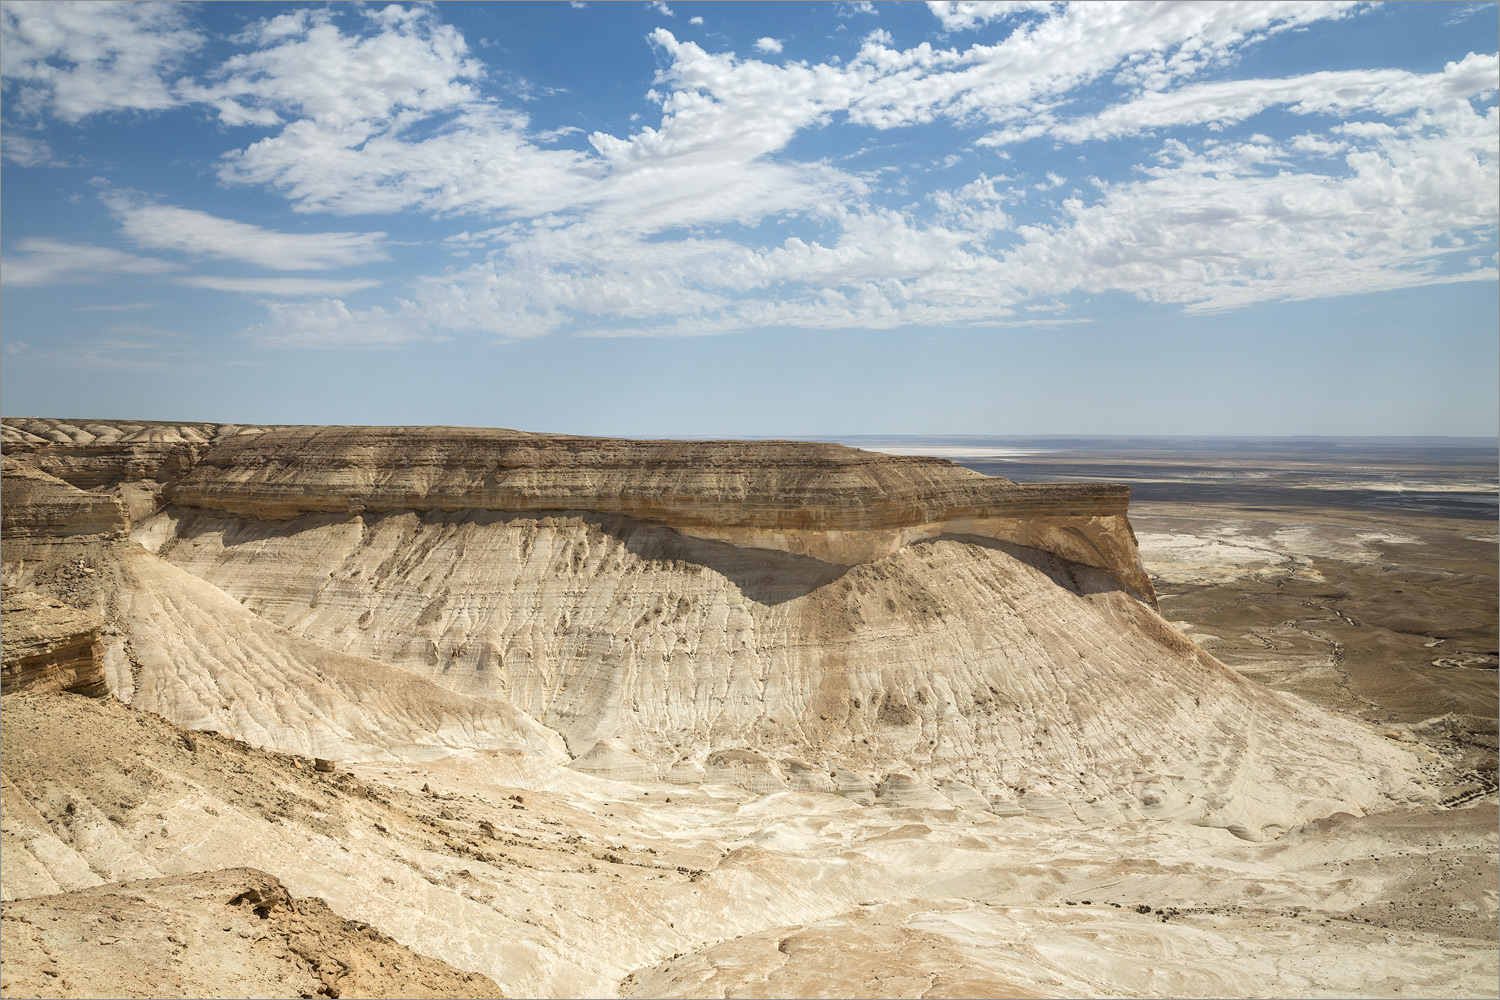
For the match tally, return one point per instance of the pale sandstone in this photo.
(230, 933)
(822, 500)
(1037, 681)
(48, 646)
(583, 751)
(599, 888)
(39, 505)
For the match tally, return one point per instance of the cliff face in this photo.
(826, 501)
(39, 505)
(773, 615)
(49, 646)
(90, 454)
(659, 718)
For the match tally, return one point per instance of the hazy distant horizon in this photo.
(908, 443)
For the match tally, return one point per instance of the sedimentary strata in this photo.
(49, 646)
(827, 501)
(596, 717)
(39, 505)
(898, 628)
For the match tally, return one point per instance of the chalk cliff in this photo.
(775, 615)
(827, 501)
(662, 718)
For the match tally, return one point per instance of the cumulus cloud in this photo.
(965, 15)
(351, 83)
(1388, 178)
(167, 227)
(381, 117)
(73, 60)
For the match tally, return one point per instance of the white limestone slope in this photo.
(182, 648)
(959, 670)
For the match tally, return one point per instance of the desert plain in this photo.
(447, 712)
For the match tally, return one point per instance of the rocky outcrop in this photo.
(700, 613)
(39, 505)
(235, 932)
(49, 646)
(826, 501)
(103, 453)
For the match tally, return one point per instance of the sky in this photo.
(679, 219)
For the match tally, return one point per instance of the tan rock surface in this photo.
(823, 500)
(91, 454)
(584, 752)
(554, 883)
(230, 933)
(39, 505)
(1037, 682)
(49, 646)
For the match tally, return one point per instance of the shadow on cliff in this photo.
(766, 576)
(1080, 579)
(763, 575)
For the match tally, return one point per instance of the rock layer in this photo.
(822, 500)
(49, 646)
(293, 568)
(39, 505)
(661, 735)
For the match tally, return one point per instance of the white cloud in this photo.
(350, 85)
(384, 120)
(379, 111)
(965, 15)
(27, 151)
(53, 262)
(78, 59)
(1221, 103)
(1237, 224)
(660, 8)
(1213, 227)
(167, 227)
(707, 160)
(279, 287)
(328, 323)
(695, 20)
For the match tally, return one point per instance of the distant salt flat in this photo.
(957, 452)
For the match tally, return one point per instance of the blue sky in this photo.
(756, 219)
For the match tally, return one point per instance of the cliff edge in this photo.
(830, 502)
